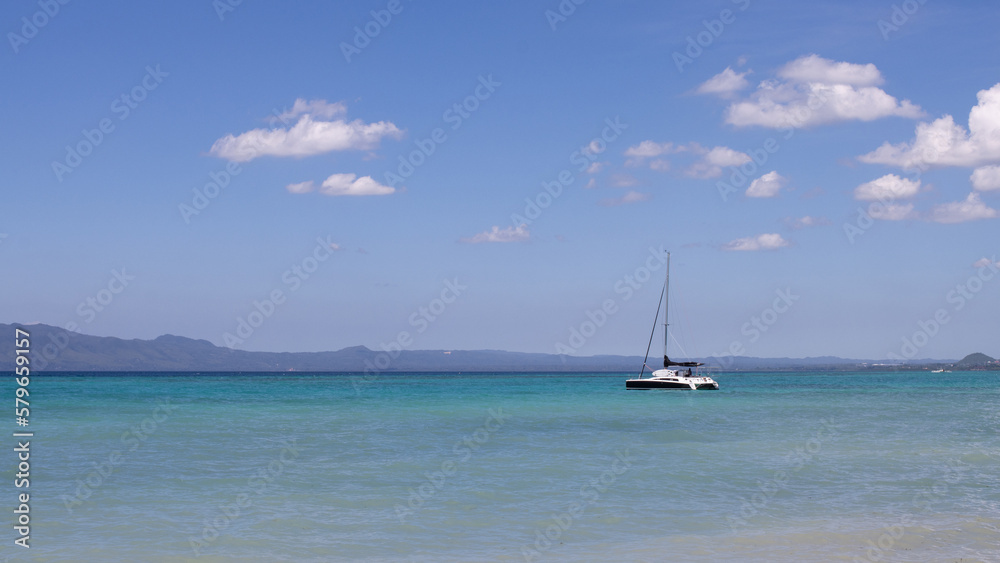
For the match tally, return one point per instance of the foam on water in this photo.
(304, 467)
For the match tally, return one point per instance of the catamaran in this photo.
(668, 378)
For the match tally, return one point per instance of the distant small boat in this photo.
(667, 378)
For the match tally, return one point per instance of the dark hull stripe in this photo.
(651, 384)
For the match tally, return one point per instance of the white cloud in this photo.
(813, 68)
(767, 185)
(509, 234)
(659, 164)
(342, 184)
(796, 223)
(942, 142)
(317, 108)
(986, 178)
(892, 211)
(596, 167)
(711, 163)
(309, 136)
(889, 186)
(971, 209)
(591, 184)
(350, 184)
(783, 105)
(623, 181)
(813, 91)
(766, 241)
(725, 156)
(648, 149)
(638, 154)
(629, 197)
(985, 262)
(301, 187)
(725, 83)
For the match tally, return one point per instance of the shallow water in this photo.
(501, 467)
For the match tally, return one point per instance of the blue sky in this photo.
(876, 205)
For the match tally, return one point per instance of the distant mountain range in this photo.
(55, 349)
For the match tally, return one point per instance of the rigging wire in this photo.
(652, 332)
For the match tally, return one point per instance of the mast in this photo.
(666, 302)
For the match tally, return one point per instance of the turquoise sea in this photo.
(510, 467)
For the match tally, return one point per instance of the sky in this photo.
(309, 176)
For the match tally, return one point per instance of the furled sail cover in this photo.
(667, 362)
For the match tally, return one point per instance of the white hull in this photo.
(672, 379)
